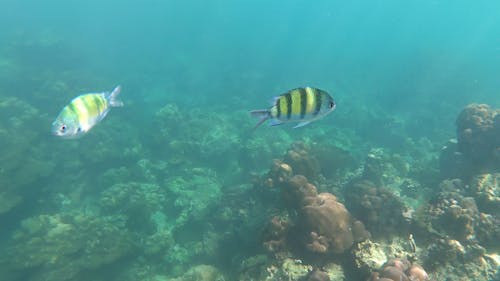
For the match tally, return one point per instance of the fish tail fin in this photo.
(112, 97)
(263, 114)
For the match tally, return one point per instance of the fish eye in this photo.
(63, 128)
(331, 104)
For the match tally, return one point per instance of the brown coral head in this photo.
(274, 246)
(319, 243)
(331, 220)
(402, 264)
(394, 273)
(278, 225)
(359, 232)
(301, 161)
(274, 235)
(297, 190)
(417, 273)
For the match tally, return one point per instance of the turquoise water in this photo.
(173, 179)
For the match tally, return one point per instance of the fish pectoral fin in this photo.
(302, 124)
(275, 122)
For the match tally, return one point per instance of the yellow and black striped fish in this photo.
(83, 112)
(302, 105)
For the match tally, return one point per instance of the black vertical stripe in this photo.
(317, 94)
(288, 97)
(278, 108)
(303, 102)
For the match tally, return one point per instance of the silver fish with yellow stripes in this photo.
(302, 105)
(84, 112)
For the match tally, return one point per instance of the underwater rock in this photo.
(478, 137)
(485, 188)
(368, 256)
(454, 215)
(381, 210)
(487, 230)
(449, 259)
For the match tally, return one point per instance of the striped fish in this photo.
(83, 112)
(302, 105)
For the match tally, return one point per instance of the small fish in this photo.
(302, 105)
(83, 112)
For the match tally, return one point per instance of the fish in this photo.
(84, 112)
(303, 105)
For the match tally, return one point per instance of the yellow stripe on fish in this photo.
(311, 100)
(296, 97)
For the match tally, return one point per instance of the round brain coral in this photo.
(329, 225)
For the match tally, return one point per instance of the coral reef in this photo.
(478, 143)
(400, 270)
(369, 256)
(330, 226)
(201, 273)
(23, 163)
(477, 135)
(290, 269)
(172, 199)
(275, 235)
(200, 137)
(61, 247)
(485, 188)
(302, 161)
(449, 259)
(323, 225)
(454, 215)
(382, 211)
